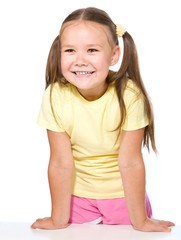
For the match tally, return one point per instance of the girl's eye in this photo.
(69, 50)
(92, 50)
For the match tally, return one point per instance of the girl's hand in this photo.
(47, 223)
(153, 225)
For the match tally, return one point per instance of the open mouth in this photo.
(83, 73)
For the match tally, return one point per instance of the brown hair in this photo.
(129, 67)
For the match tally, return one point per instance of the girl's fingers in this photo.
(163, 226)
(34, 225)
(157, 228)
(154, 225)
(170, 224)
(38, 223)
(167, 223)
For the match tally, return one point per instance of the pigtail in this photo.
(130, 69)
(53, 68)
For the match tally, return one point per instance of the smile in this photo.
(83, 73)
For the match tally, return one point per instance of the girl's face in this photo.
(86, 54)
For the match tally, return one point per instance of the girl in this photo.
(96, 122)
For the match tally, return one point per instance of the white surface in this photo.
(22, 231)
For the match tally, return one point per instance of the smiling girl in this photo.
(93, 55)
(97, 121)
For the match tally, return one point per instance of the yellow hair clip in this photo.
(120, 31)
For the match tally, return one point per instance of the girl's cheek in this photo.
(65, 62)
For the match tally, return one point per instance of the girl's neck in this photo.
(93, 94)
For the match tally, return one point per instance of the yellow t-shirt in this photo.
(89, 125)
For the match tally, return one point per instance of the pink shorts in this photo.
(107, 211)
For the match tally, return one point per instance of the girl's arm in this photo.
(60, 171)
(132, 170)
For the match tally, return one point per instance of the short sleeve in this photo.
(136, 116)
(46, 118)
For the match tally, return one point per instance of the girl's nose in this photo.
(81, 60)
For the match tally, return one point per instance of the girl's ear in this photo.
(115, 55)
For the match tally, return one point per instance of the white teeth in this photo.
(82, 73)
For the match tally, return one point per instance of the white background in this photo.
(27, 30)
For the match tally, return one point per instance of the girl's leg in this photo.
(115, 211)
(84, 210)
